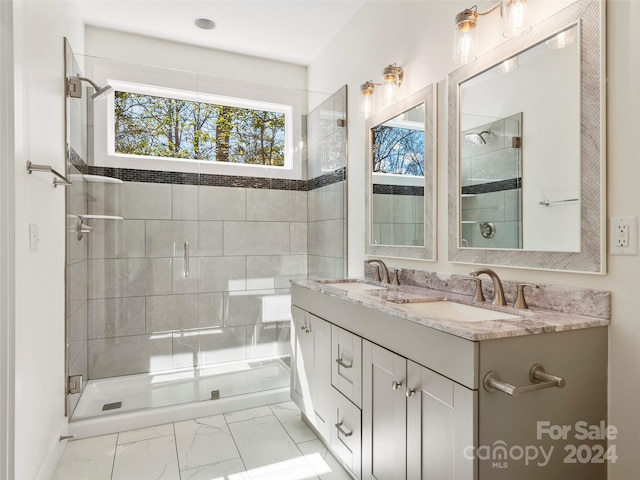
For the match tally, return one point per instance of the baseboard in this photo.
(50, 463)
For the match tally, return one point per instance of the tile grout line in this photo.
(293, 440)
(244, 465)
(115, 452)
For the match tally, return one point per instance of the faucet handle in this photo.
(520, 302)
(478, 296)
(396, 277)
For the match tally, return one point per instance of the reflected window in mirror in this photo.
(398, 180)
(400, 193)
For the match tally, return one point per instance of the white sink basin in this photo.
(444, 309)
(354, 286)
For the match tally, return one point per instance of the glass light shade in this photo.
(514, 13)
(508, 65)
(562, 40)
(366, 99)
(465, 45)
(389, 90)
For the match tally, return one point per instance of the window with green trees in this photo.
(168, 127)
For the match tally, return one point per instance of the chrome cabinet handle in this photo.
(539, 380)
(410, 392)
(186, 259)
(342, 430)
(305, 329)
(341, 362)
(396, 385)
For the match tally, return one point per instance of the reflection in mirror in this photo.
(526, 177)
(491, 184)
(400, 194)
(397, 216)
(537, 81)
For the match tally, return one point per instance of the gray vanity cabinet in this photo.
(311, 369)
(415, 422)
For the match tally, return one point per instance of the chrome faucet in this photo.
(382, 265)
(498, 291)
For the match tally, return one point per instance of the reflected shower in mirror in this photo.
(400, 193)
(491, 184)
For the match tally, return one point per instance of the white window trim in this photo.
(151, 82)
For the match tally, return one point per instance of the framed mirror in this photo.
(400, 173)
(526, 145)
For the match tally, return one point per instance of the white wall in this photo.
(39, 28)
(422, 46)
(139, 50)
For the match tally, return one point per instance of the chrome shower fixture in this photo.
(477, 138)
(74, 88)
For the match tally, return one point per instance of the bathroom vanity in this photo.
(408, 382)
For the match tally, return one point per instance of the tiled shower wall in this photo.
(248, 237)
(145, 314)
(327, 185)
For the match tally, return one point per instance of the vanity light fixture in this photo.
(392, 77)
(465, 33)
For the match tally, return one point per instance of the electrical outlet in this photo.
(623, 235)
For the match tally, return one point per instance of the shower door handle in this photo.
(186, 259)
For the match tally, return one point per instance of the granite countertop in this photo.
(393, 300)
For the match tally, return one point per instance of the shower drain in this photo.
(111, 406)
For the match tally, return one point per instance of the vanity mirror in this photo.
(400, 179)
(526, 148)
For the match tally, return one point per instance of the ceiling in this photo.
(293, 31)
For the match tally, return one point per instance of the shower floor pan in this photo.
(117, 395)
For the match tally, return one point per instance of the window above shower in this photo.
(159, 119)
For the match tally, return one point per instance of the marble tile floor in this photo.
(262, 443)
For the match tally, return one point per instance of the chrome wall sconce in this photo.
(514, 14)
(392, 77)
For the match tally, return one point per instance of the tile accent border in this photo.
(499, 186)
(182, 178)
(380, 189)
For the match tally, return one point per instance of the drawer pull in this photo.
(342, 430)
(539, 380)
(341, 362)
(410, 392)
(396, 385)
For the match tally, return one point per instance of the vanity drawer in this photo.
(346, 433)
(346, 364)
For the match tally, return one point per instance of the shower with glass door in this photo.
(178, 282)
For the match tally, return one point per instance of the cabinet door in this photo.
(384, 414)
(440, 426)
(321, 380)
(346, 364)
(302, 361)
(311, 375)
